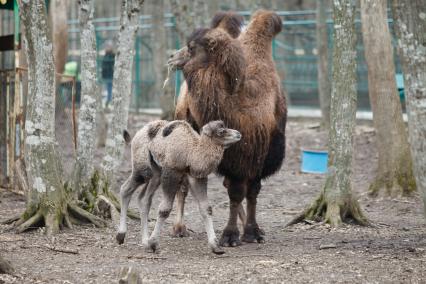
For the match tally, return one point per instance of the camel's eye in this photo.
(191, 48)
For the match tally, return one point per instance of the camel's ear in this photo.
(207, 130)
(211, 44)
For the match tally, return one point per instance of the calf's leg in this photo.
(198, 189)
(126, 192)
(145, 201)
(179, 228)
(170, 182)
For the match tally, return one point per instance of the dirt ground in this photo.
(392, 252)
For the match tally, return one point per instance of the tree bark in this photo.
(158, 32)
(48, 201)
(395, 170)
(323, 76)
(58, 18)
(122, 87)
(43, 163)
(185, 20)
(201, 14)
(410, 26)
(90, 98)
(336, 203)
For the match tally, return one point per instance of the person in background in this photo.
(108, 69)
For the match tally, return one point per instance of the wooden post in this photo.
(11, 130)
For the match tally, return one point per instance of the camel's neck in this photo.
(205, 157)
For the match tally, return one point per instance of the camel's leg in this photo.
(198, 189)
(179, 228)
(241, 211)
(170, 182)
(145, 201)
(242, 214)
(236, 193)
(252, 232)
(126, 192)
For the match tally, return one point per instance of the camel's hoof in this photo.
(180, 231)
(218, 250)
(230, 238)
(120, 238)
(253, 234)
(153, 246)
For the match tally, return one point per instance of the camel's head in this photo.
(207, 49)
(220, 134)
(228, 22)
(196, 51)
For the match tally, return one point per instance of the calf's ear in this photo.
(207, 130)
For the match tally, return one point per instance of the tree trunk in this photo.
(201, 14)
(46, 196)
(158, 32)
(90, 98)
(183, 11)
(48, 201)
(58, 18)
(336, 203)
(410, 24)
(395, 171)
(323, 76)
(121, 87)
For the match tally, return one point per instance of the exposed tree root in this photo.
(98, 222)
(11, 220)
(53, 220)
(33, 221)
(106, 208)
(96, 188)
(332, 212)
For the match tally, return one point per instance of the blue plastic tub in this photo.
(314, 161)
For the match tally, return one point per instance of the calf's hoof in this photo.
(153, 246)
(230, 238)
(252, 234)
(217, 250)
(180, 231)
(120, 238)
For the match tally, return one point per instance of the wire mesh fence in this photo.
(294, 52)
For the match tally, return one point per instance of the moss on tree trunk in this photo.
(395, 170)
(336, 203)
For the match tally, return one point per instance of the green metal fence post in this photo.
(178, 72)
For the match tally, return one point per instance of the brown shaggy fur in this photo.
(243, 89)
(235, 80)
(228, 21)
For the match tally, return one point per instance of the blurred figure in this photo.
(108, 69)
